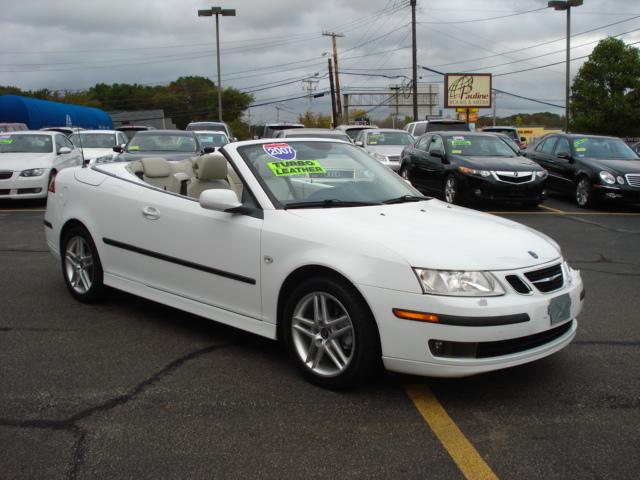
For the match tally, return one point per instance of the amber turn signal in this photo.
(419, 316)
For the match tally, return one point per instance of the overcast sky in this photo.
(271, 46)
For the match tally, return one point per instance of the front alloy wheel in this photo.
(330, 333)
(323, 334)
(584, 193)
(450, 190)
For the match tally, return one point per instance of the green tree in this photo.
(606, 91)
(318, 120)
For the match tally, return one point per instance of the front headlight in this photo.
(606, 177)
(458, 283)
(542, 174)
(32, 172)
(473, 171)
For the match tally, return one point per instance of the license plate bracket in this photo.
(559, 308)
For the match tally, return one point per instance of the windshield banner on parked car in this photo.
(295, 167)
(281, 151)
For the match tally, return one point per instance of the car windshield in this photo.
(25, 144)
(603, 148)
(509, 141)
(389, 138)
(162, 143)
(94, 140)
(477, 146)
(317, 174)
(212, 139)
(353, 132)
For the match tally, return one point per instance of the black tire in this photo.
(584, 195)
(81, 266)
(359, 344)
(450, 192)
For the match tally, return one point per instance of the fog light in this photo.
(478, 192)
(437, 347)
(620, 180)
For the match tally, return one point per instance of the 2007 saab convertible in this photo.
(316, 243)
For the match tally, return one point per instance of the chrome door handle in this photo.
(150, 213)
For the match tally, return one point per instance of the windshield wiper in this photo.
(405, 199)
(329, 203)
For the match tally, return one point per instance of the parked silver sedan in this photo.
(385, 145)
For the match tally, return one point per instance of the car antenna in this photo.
(84, 162)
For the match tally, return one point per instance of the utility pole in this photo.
(333, 96)
(495, 95)
(310, 85)
(333, 36)
(394, 117)
(414, 60)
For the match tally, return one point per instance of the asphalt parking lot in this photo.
(133, 389)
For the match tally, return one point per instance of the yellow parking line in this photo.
(551, 209)
(468, 460)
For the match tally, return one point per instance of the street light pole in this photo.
(566, 5)
(225, 12)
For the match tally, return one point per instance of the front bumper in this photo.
(623, 193)
(407, 346)
(487, 188)
(17, 187)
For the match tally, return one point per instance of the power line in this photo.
(484, 19)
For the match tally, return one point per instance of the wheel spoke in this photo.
(319, 354)
(324, 310)
(311, 352)
(71, 259)
(316, 309)
(306, 321)
(342, 331)
(303, 330)
(335, 321)
(86, 280)
(339, 362)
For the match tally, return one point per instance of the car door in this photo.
(562, 166)
(172, 245)
(435, 166)
(543, 155)
(419, 161)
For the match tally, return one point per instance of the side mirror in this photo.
(219, 199)
(64, 150)
(118, 149)
(209, 149)
(359, 143)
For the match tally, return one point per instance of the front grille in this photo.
(514, 177)
(443, 348)
(546, 279)
(518, 285)
(5, 175)
(394, 158)
(5, 192)
(633, 179)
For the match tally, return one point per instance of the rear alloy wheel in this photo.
(81, 265)
(329, 332)
(450, 190)
(584, 193)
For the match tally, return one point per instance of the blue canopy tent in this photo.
(43, 113)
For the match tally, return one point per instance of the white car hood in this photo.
(433, 234)
(23, 161)
(91, 153)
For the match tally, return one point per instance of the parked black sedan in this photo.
(465, 167)
(589, 167)
(169, 144)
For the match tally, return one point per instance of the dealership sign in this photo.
(467, 90)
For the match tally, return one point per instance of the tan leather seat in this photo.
(156, 171)
(210, 172)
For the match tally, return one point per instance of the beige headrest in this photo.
(156, 167)
(212, 166)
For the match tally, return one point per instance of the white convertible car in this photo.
(317, 244)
